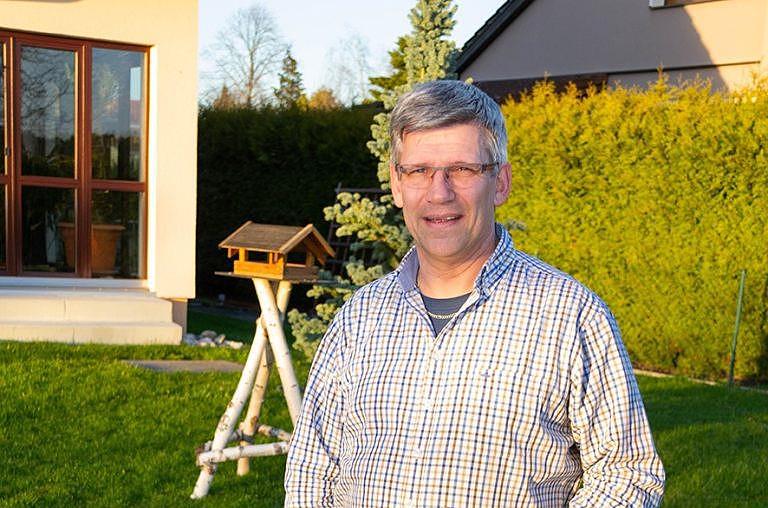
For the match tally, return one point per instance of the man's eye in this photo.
(416, 171)
(463, 169)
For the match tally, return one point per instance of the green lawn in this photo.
(78, 426)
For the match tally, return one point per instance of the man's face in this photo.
(449, 225)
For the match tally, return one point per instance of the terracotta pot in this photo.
(104, 238)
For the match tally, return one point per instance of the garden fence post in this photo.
(736, 326)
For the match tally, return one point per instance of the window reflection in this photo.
(116, 235)
(117, 114)
(48, 229)
(3, 265)
(47, 112)
(2, 115)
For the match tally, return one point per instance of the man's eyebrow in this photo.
(452, 163)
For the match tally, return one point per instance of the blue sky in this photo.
(314, 27)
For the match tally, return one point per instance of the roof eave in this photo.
(487, 33)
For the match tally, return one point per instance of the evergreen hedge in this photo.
(272, 166)
(656, 200)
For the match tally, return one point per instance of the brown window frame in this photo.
(82, 181)
(5, 176)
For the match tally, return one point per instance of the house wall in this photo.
(626, 37)
(170, 29)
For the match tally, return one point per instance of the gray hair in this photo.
(445, 103)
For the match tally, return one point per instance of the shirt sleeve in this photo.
(619, 460)
(313, 456)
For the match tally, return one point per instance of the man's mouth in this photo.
(442, 219)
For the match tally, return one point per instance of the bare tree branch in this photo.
(246, 55)
(348, 69)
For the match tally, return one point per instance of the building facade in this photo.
(98, 125)
(614, 42)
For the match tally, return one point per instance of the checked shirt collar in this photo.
(492, 271)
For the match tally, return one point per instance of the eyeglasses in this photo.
(460, 176)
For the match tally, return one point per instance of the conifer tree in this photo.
(377, 224)
(383, 84)
(291, 91)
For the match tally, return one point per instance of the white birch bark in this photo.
(269, 335)
(232, 413)
(238, 452)
(248, 426)
(262, 378)
(279, 345)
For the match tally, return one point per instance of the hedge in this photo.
(657, 200)
(272, 166)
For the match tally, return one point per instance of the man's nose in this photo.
(440, 189)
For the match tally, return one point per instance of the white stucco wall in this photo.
(566, 37)
(169, 27)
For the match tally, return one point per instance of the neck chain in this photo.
(441, 316)
(434, 315)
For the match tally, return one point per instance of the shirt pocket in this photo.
(481, 393)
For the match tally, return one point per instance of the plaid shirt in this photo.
(527, 390)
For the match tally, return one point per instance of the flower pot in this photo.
(104, 238)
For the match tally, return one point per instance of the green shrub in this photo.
(656, 200)
(272, 166)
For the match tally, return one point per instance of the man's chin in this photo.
(440, 251)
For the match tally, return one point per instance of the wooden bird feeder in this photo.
(274, 257)
(277, 252)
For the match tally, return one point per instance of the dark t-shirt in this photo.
(441, 310)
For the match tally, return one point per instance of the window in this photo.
(73, 179)
(3, 155)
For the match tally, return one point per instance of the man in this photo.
(474, 374)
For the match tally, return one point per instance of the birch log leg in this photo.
(248, 426)
(262, 378)
(234, 408)
(279, 345)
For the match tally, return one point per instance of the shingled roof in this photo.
(273, 238)
(487, 33)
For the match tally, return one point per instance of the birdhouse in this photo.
(277, 252)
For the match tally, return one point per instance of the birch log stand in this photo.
(273, 274)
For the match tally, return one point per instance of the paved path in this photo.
(187, 365)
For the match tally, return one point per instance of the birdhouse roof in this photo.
(274, 238)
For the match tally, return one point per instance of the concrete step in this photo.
(101, 332)
(78, 306)
(106, 316)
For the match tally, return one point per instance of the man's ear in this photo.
(503, 178)
(394, 183)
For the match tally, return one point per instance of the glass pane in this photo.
(3, 265)
(47, 112)
(48, 229)
(118, 114)
(2, 114)
(116, 238)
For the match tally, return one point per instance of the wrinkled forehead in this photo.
(442, 145)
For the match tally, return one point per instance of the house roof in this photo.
(274, 238)
(487, 33)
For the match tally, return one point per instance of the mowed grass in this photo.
(80, 427)
(713, 441)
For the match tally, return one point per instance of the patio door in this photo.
(73, 180)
